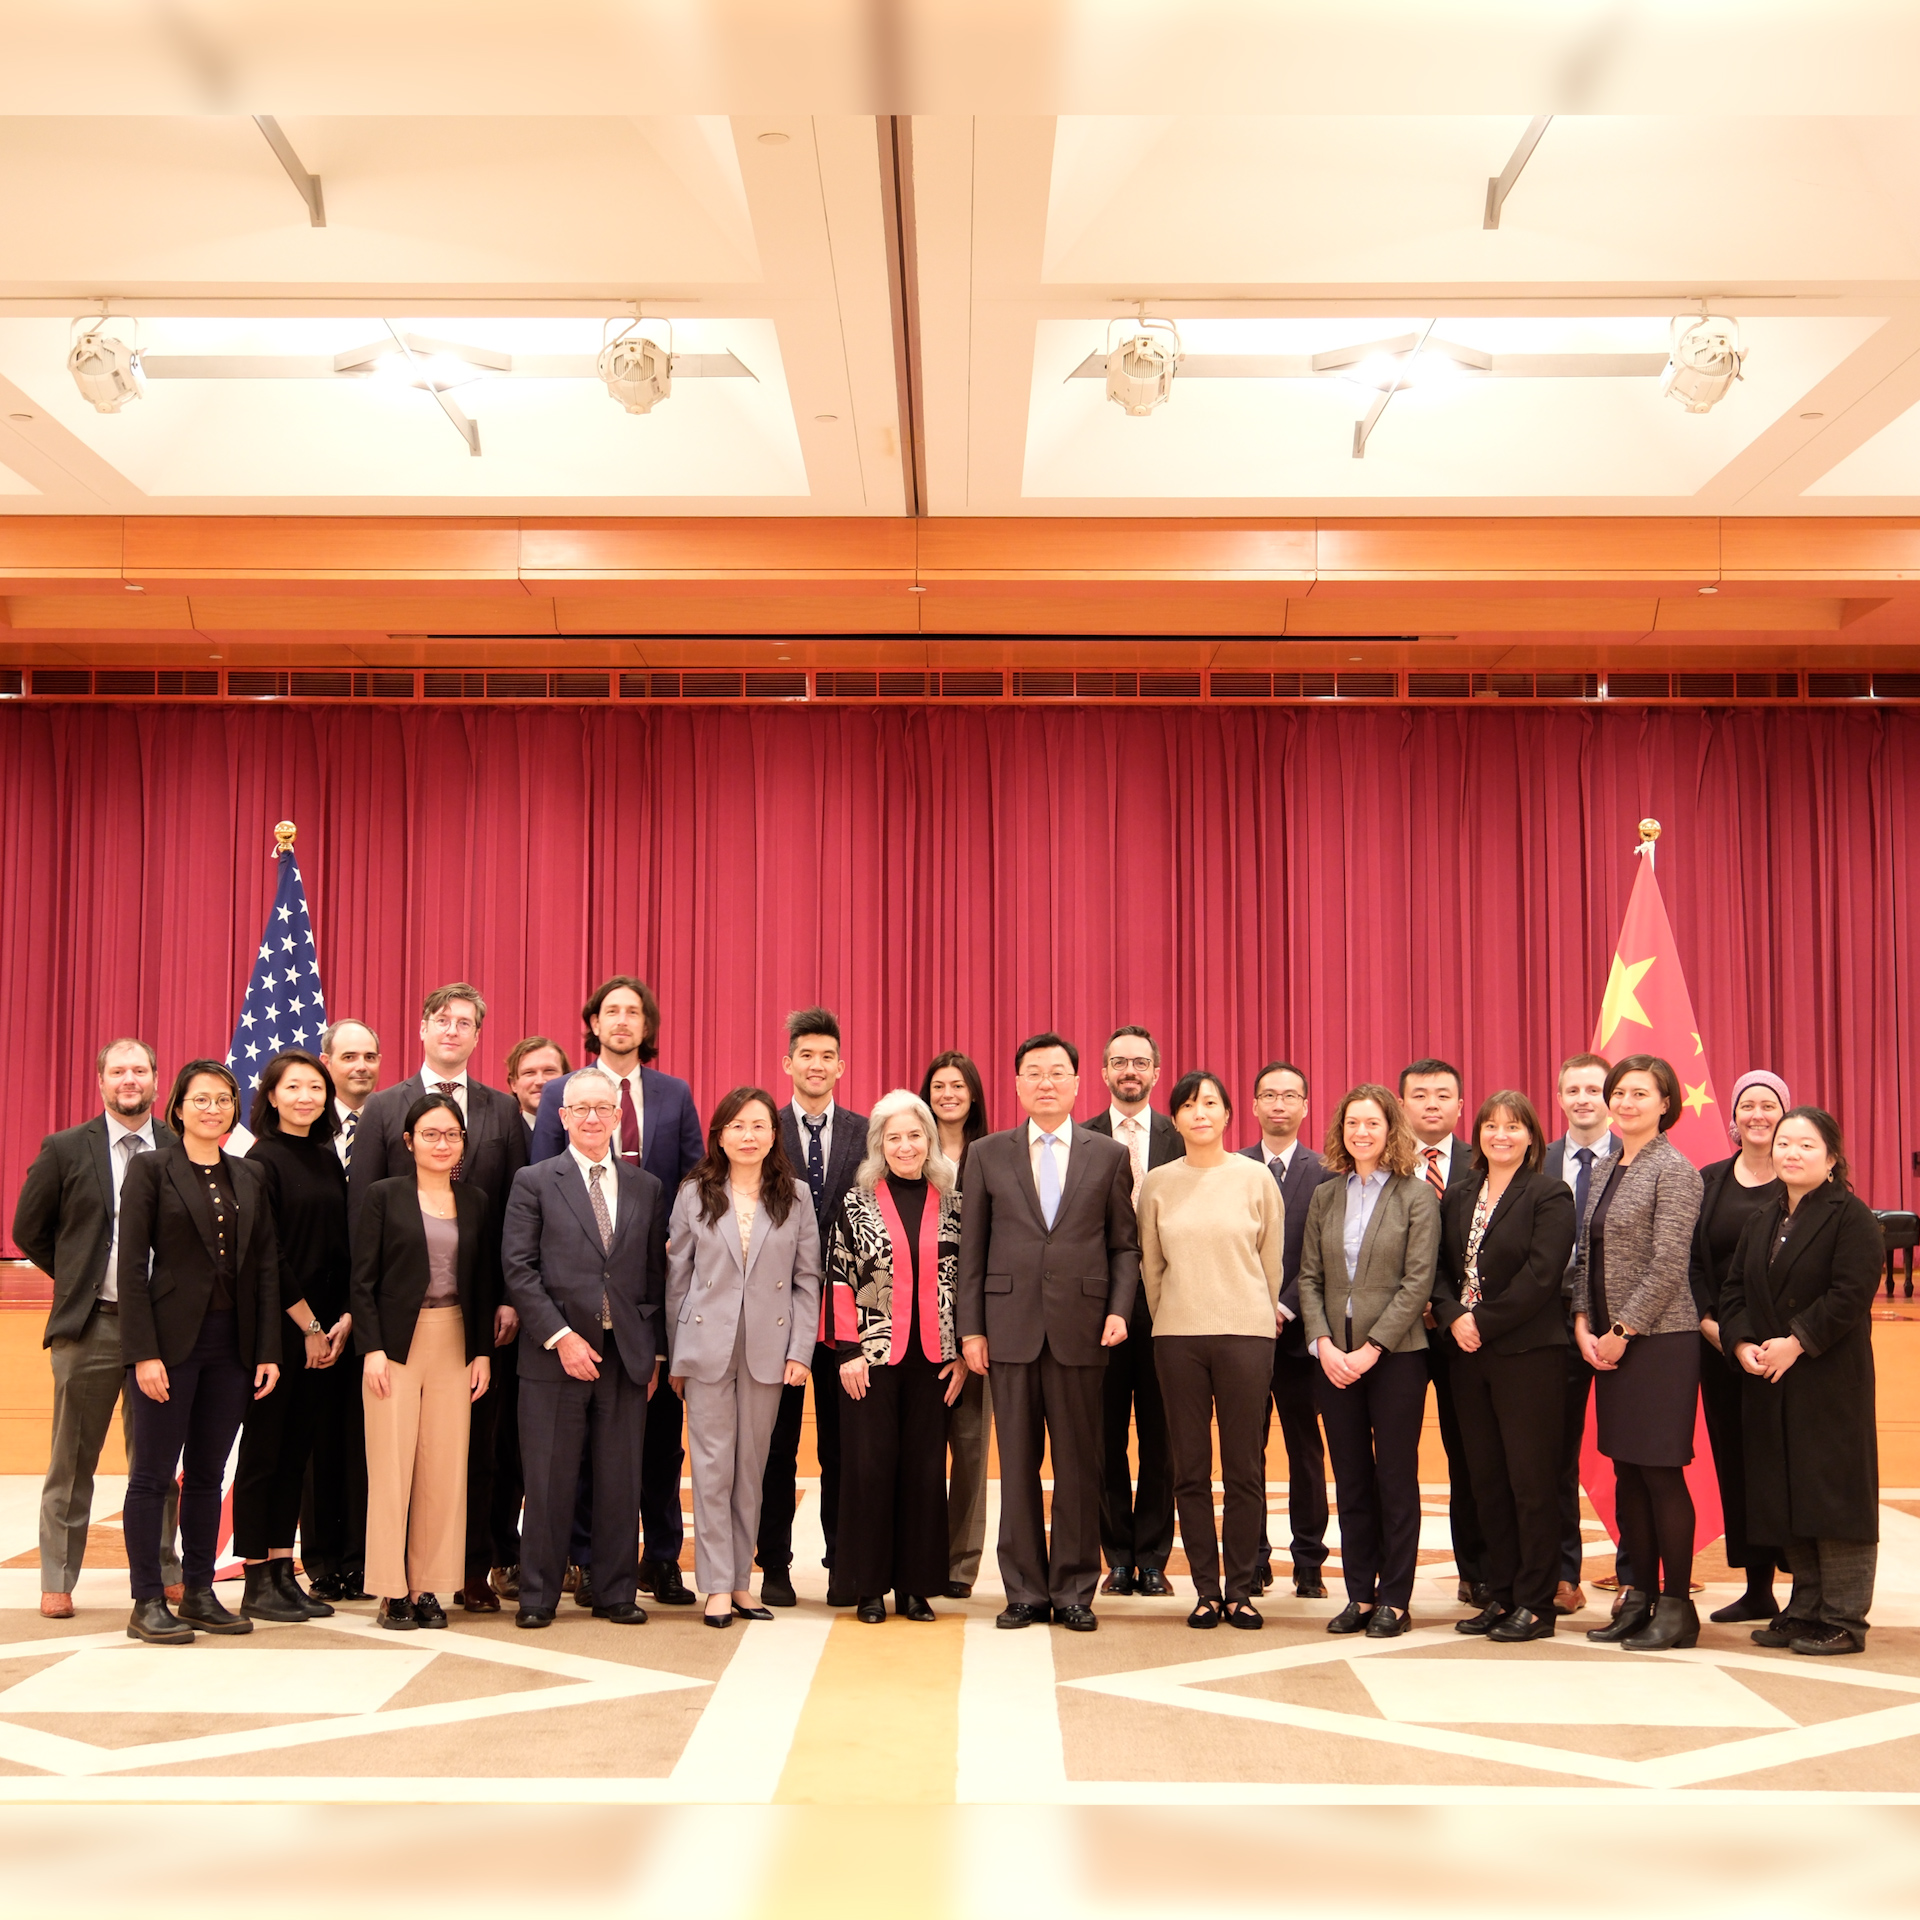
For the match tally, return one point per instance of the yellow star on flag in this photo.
(1699, 1046)
(1698, 1098)
(1619, 1003)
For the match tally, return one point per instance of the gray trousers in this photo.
(1833, 1583)
(969, 1429)
(88, 1378)
(729, 1429)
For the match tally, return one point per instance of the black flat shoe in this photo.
(1076, 1619)
(911, 1606)
(1388, 1625)
(776, 1589)
(750, 1613)
(871, 1612)
(289, 1585)
(1245, 1615)
(1153, 1583)
(200, 1608)
(428, 1612)
(1205, 1615)
(1352, 1618)
(721, 1620)
(623, 1613)
(1485, 1620)
(959, 1590)
(396, 1614)
(533, 1617)
(1521, 1624)
(153, 1621)
(1021, 1613)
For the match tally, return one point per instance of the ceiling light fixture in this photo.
(637, 370)
(1704, 362)
(1140, 369)
(104, 368)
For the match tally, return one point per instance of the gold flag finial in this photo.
(283, 833)
(1649, 833)
(1649, 830)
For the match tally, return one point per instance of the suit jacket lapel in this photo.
(573, 1184)
(1808, 1222)
(102, 1156)
(756, 1237)
(1076, 1167)
(627, 1181)
(1020, 1151)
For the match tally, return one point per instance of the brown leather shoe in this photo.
(505, 1581)
(56, 1606)
(1568, 1598)
(478, 1597)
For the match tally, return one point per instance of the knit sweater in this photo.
(1211, 1247)
(1648, 1240)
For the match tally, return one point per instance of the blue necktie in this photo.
(1049, 1179)
(815, 1124)
(1582, 1184)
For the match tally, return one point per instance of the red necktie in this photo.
(1433, 1171)
(629, 1125)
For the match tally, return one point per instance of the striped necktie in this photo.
(1435, 1179)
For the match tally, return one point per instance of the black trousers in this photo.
(1720, 1402)
(893, 1480)
(509, 1484)
(1136, 1525)
(779, 1487)
(1511, 1408)
(1573, 1428)
(562, 1423)
(1229, 1374)
(483, 1430)
(1036, 1402)
(1463, 1518)
(663, 1521)
(1307, 1513)
(272, 1471)
(1373, 1434)
(207, 1398)
(333, 1514)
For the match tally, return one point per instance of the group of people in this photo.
(558, 1293)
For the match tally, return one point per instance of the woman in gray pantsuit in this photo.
(743, 1301)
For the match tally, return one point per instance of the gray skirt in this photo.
(1644, 1410)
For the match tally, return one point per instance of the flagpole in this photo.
(1649, 833)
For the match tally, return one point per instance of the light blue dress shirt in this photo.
(1362, 1197)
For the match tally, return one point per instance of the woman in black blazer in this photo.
(199, 1310)
(425, 1283)
(1505, 1240)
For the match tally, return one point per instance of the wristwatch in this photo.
(1619, 1327)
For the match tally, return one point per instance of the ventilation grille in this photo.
(1240, 686)
(971, 685)
(1838, 686)
(1169, 686)
(246, 684)
(1766, 686)
(12, 683)
(1637, 686)
(1367, 686)
(1043, 686)
(1896, 686)
(1106, 686)
(62, 680)
(1439, 686)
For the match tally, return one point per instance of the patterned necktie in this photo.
(451, 1088)
(629, 1126)
(1049, 1179)
(603, 1219)
(1582, 1184)
(1136, 1152)
(348, 1128)
(815, 1124)
(1435, 1179)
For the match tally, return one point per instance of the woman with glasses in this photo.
(199, 1311)
(425, 1283)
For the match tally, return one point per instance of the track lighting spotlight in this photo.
(638, 371)
(105, 369)
(1140, 370)
(1704, 361)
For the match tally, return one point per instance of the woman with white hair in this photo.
(900, 1365)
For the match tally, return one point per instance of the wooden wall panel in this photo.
(643, 549)
(1122, 549)
(745, 606)
(37, 547)
(1821, 549)
(1520, 549)
(298, 547)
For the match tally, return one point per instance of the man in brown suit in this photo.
(1049, 1262)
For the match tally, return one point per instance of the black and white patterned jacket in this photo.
(860, 1276)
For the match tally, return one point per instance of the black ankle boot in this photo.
(1674, 1624)
(200, 1608)
(263, 1599)
(1636, 1609)
(153, 1621)
(287, 1584)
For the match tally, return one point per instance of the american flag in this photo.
(284, 1006)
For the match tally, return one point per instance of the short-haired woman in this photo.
(1505, 1240)
(199, 1298)
(293, 1125)
(1798, 1301)
(952, 1091)
(1630, 1283)
(1212, 1254)
(1366, 1273)
(1732, 1192)
(426, 1280)
(891, 1267)
(743, 1305)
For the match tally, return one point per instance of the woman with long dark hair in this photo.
(743, 1305)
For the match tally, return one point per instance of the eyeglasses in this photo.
(1284, 1097)
(209, 1102)
(1052, 1077)
(439, 1136)
(453, 1023)
(593, 1113)
(1119, 1063)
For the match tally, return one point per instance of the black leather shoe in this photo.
(288, 1582)
(1309, 1589)
(1779, 1631)
(200, 1608)
(661, 1578)
(912, 1606)
(1245, 1615)
(1153, 1583)
(623, 1613)
(1352, 1618)
(1485, 1620)
(1473, 1593)
(153, 1621)
(531, 1617)
(1118, 1580)
(1076, 1619)
(1388, 1625)
(776, 1589)
(1634, 1611)
(1826, 1640)
(329, 1587)
(353, 1586)
(750, 1613)
(959, 1589)
(397, 1614)
(1521, 1624)
(871, 1612)
(260, 1598)
(1674, 1623)
(428, 1612)
(720, 1620)
(1020, 1613)
(1262, 1579)
(583, 1589)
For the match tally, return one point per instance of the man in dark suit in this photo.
(1049, 1265)
(585, 1260)
(826, 1144)
(1280, 1105)
(658, 1131)
(67, 1223)
(1430, 1091)
(450, 1021)
(1136, 1527)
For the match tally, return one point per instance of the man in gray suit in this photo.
(1049, 1264)
(584, 1252)
(68, 1224)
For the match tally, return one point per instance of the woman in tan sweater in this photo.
(1212, 1231)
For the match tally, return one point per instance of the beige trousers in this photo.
(417, 1464)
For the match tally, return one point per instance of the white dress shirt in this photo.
(430, 1079)
(117, 1168)
(826, 1136)
(1034, 1132)
(1603, 1150)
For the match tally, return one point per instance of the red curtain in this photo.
(1349, 888)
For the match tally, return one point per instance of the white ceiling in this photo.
(495, 186)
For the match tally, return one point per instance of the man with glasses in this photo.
(1280, 1105)
(450, 1022)
(1049, 1265)
(68, 1224)
(1136, 1526)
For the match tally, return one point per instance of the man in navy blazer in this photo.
(658, 1131)
(584, 1252)
(1280, 1104)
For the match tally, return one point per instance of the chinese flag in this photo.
(1645, 1009)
